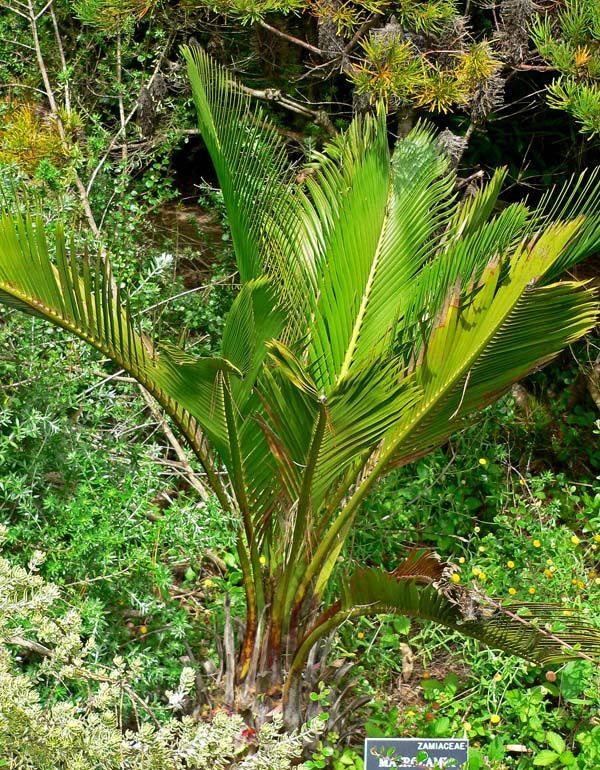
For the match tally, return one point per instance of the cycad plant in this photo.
(377, 314)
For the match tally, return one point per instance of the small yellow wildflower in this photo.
(537, 544)
(483, 461)
(594, 547)
(596, 538)
(476, 529)
(575, 540)
(461, 560)
(510, 564)
(455, 578)
(481, 549)
(580, 584)
(597, 581)
(548, 572)
(531, 590)
(475, 572)
(522, 482)
(593, 573)
(495, 719)
(360, 635)
(482, 576)
(497, 677)
(512, 591)
(467, 727)
(549, 561)
(262, 560)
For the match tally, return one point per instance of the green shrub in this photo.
(111, 727)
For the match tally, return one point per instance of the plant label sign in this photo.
(416, 753)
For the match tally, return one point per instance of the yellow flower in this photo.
(483, 461)
(537, 544)
(548, 573)
(549, 561)
(512, 591)
(575, 540)
(497, 677)
(455, 578)
(510, 564)
(476, 529)
(495, 719)
(475, 571)
(580, 584)
(461, 560)
(531, 590)
(482, 577)
(597, 581)
(596, 538)
(262, 560)
(522, 482)
(481, 549)
(467, 727)
(360, 635)
(594, 547)
(593, 573)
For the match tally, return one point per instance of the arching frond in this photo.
(486, 340)
(543, 633)
(85, 303)
(248, 155)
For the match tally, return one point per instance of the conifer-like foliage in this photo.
(569, 42)
(377, 314)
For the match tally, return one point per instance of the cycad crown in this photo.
(377, 314)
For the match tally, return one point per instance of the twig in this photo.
(128, 118)
(365, 27)
(120, 97)
(85, 201)
(320, 117)
(291, 38)
(27, 644)
(63, 60)
(175, 445)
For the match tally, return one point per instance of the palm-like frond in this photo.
(82, 300)
(544, 633)
(370, 219)
(248, 155)
(485, 341)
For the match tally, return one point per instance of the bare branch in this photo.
(275, 95)
(291, 38)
